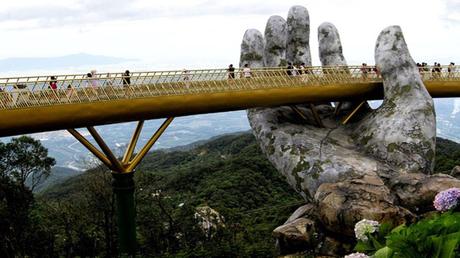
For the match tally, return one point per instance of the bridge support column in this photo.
(123, 182)
(123, 188)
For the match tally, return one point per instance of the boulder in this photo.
(296, 235)
(455, 172)
(416, 191)
(341, 205)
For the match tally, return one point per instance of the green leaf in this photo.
(363, 247)
(385, 252)
(450, 243)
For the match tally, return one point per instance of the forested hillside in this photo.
(228, 174)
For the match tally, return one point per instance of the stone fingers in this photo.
(275, 42)
(330, 47)
(252, 49)
(298, 36)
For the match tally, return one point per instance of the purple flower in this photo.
(447, 199)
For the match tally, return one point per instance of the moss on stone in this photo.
(392, 147)
(301, 166)
(244, 45)
(268, 31)
(364, 140)
(430, 155)
(405, 88)
(275, 50)
(251, 57)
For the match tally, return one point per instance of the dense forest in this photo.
(220, 198)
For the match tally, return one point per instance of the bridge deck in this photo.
(29, 104)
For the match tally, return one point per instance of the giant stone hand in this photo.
(378, 166)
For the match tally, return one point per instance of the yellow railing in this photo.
(33, 91)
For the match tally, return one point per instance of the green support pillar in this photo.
(123, 188)
(123, 183)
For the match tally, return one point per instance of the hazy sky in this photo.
(193, 33)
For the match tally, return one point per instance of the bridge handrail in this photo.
(29, 91)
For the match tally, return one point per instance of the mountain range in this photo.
(29, 65)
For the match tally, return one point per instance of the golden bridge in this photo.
(30, 105)
(46, 103)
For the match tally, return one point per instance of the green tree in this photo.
(15, 203)
(25, 161)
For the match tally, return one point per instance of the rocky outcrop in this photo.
(342, 204)
(416, 191)
(377, 167)
(296, 235)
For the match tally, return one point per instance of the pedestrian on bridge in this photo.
(126, 77)
(364, 70)
(451, 69)
(302, 68)
(126, 80)
(186, 78)
(53, 83)
(90, 82)
(53, 87)
(289, 69)
(94, 82)
(247, 71)
(231, 72)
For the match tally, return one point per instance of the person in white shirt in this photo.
(247, 71)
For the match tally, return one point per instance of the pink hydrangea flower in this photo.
(447, 199)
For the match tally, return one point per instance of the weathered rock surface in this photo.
(252, 49)
(341, 205)
(296, 235)
(298, 36)
(455, 172)
(306, 210)
(306, 155)
(275, 42)
(416, 191)
(402, 131)
(377, 167)
(330, 46)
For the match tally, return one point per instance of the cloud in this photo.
(452, 11)
(85, 12)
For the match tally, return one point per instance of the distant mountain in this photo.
(44, 63)
(70, 153)
(58, 175)
(448, 118)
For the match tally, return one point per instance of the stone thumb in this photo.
(402, 131)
